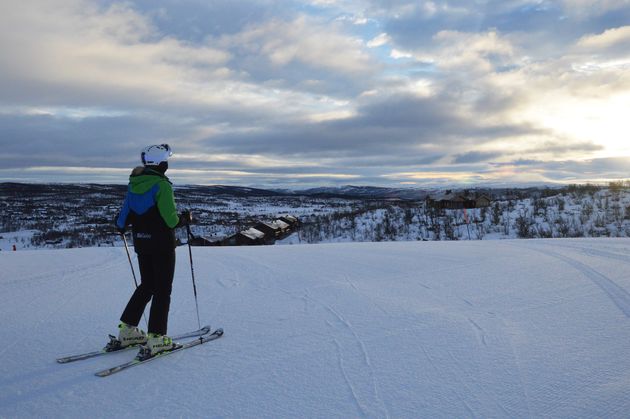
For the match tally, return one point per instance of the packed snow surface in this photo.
(514, 328)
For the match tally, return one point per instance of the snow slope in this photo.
(537, 328)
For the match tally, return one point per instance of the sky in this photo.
(296, 94)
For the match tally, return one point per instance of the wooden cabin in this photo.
(250, 237)
(456, 201)
(284, 227)
(270, 229)
(482, 201)
(446, 201)
(292, 221)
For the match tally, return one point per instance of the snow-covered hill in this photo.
(71, 216)
(513, 328)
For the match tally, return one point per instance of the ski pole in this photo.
(133, 273)
(192, 272)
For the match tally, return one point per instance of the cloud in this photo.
(379, 41)
(475, 157)
(303, 44)
(82, 55)
(608, 49)
(571, 171)
(472, 52)
(403, 130)
(259, 90)
(585, 8)
(45, 140)
(610, 38)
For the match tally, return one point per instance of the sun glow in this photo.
(600, 121)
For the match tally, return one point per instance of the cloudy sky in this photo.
(306, 93)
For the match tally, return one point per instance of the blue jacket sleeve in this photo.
(121, 221)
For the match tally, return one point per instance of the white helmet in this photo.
(153, 155)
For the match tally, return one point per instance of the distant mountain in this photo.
(363, 192)
(237, 191)
(343, 192)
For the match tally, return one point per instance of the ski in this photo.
(136, 361)
(64, 360)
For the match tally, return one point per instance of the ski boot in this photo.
(130, 335)
(156, 344)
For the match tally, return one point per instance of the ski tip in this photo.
(219, 332)
(62, 360)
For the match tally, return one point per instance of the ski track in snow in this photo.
(359, 399)
(365, 295)
(617, 294)
(520, 374)
(591, 251)
(365, 357)
(605, 254)
(489, 342)
(481, 333)
(305, 296)
(355, 397)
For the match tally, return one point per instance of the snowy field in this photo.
(492, 329)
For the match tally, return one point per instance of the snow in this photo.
(510, 328)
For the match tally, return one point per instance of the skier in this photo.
(149, 208)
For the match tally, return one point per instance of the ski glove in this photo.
(120, 230)
(185, 218)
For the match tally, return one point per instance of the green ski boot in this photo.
(159, 343)
(130, 335)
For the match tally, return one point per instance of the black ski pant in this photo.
(156, 272)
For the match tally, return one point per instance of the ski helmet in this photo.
(153, 155)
